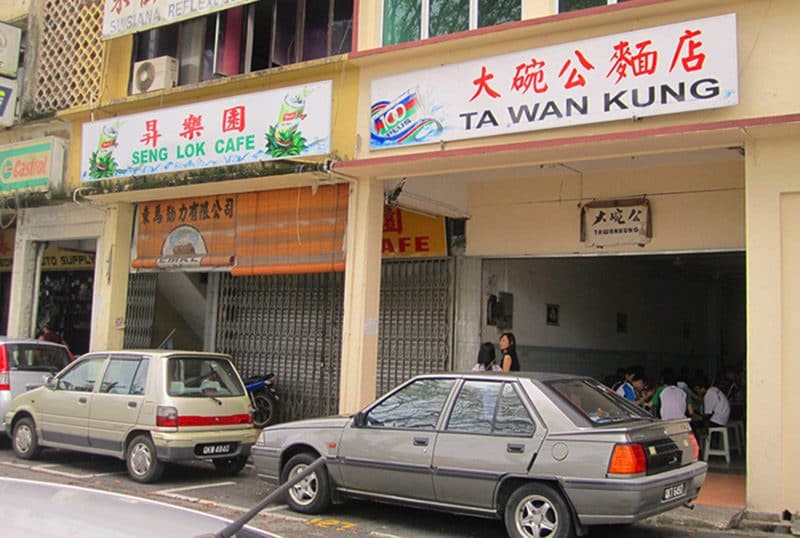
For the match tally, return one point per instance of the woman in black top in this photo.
(508, 349)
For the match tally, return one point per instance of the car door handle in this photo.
(83, 399)
(420, 441)
(132, 404)
(515, 448)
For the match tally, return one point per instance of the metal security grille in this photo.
(290, 325)
(70, 55)
(415, 320)
(141, 310)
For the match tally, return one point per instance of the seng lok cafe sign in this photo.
(122, 17)
(268, 125)
(408, 234)
(679, 67)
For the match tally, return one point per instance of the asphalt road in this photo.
(197, 486)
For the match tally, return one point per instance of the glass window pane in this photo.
(119, 376)
(342, 40)
(448, 16)
(37, 357)
(597, 402)
(82, 377)
(572, 5)
(512, 417)
(416, 406)
(491, 12)
(401, 21)
(473, 411)
(140, 379)
(200, 376)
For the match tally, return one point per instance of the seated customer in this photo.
(716, 407)
(673, 400)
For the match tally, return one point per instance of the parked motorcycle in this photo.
(265, 399)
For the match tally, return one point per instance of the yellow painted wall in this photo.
(773, 311)
(697, 206)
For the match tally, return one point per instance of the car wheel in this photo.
(143, 464)
(265, 410)
(311, 495)
(230, 466)
(25, 440)
(538, 511)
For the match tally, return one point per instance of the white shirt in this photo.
(716, 404)
(673, 403)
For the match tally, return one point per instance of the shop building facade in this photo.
(553, 133)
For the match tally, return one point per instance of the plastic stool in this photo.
(724, 451)
(737, 427)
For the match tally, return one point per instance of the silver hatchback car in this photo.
(146, 407)
(550, 454)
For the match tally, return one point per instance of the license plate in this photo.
(214, 450)
(674, 492)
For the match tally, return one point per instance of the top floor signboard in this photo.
(668, 69)
(122, 17)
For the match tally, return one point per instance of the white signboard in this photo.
(122, 17)
(9, 94)
(10, 37)
(663, 70)
(284, 123)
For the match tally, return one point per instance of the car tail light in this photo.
(5, 376)
(166, 416)
(695, 446)
(628, 459)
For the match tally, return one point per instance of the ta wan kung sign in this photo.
(668, 69)
(616, 222)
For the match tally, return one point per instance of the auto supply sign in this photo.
(274, 124)
(668, 69)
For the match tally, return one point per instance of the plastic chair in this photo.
(725, 451)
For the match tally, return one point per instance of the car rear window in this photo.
(596, 402)
(37, 358)
(194, 376)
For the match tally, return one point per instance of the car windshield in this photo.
(193, 376)
(597, 402)
(38, 358)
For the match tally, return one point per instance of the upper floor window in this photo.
(573, 5)
(261, 35)
(410, 20)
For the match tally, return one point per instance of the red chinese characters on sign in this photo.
(151, 134)
(392, 219)
(643, 62)
(575, 78)
(626, 60)
(192, 126)
(530, 76)
(233, 119)
(691, 59)
(482, 82)
(117, 5)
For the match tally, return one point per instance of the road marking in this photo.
(46, 468)
(170, 493)
(201, 486)
(383, 534)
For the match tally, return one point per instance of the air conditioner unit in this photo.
(154, 74)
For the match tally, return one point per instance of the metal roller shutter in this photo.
(140, 312)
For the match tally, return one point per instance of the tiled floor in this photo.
(725, 483)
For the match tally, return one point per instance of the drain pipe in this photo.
(37, 279)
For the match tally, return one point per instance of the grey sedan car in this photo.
(550, 454)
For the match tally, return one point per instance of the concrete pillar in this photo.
(362, 283)
(23, 278)
(773, 323)
(112, 267)
(468, 311)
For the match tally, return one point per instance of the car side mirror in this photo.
(50, 382)
(360, 419)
